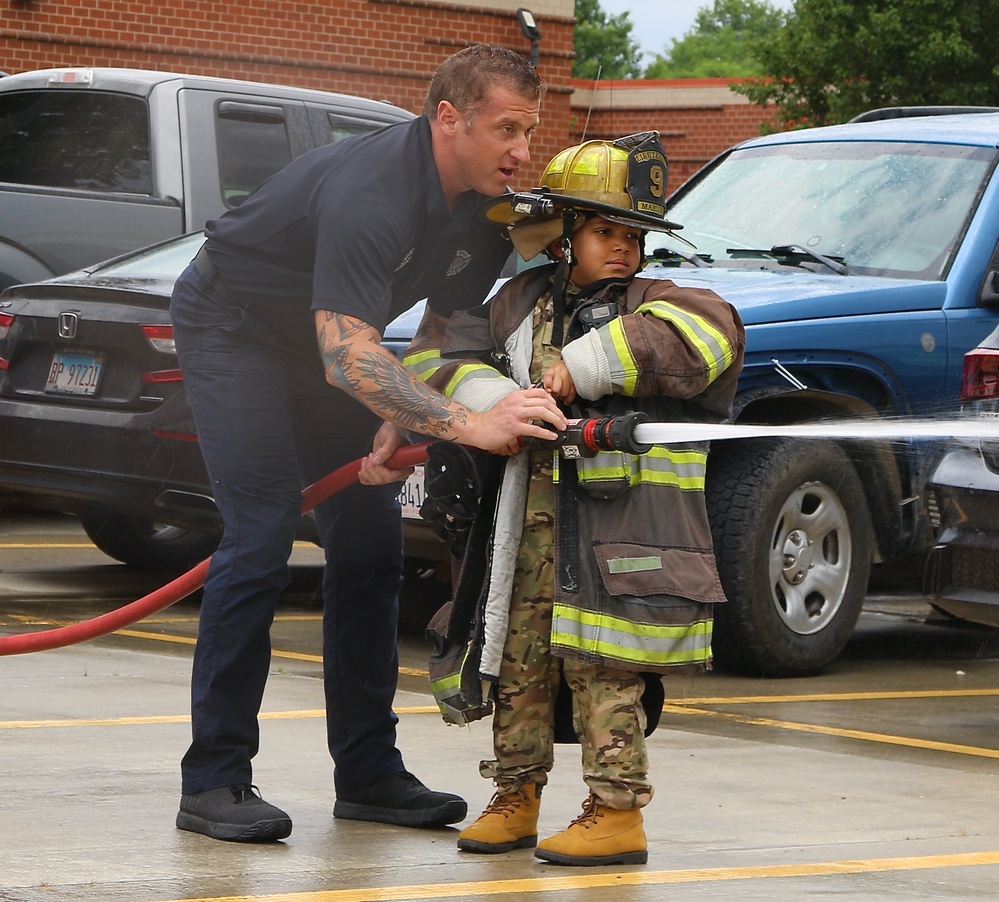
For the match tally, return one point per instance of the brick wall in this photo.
(386, 49)
(697, 117)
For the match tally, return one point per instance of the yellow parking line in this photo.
(884, 738)
(183, 718)
(620, 879)
(47, 545)
(189, 640)
(836, 696)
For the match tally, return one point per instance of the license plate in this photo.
(76, 373)
(411, 495)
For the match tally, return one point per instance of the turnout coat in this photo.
(635, 570)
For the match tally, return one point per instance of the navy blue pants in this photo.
(269, 425)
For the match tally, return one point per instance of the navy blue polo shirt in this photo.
(358, 227)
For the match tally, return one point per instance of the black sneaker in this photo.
(235, 813)
(401, 800)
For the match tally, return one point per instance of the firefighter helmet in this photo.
(623, 181)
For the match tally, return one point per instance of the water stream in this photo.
(862, 428)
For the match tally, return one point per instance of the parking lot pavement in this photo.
(877, 780)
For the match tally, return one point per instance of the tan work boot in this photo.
(510, 821)
(600, 835)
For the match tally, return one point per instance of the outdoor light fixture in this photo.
(531, 32)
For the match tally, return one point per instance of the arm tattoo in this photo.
(355, 362)
(405, 401)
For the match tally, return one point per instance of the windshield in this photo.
(168, 260)
(893, 209)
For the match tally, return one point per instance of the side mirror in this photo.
(989, 295)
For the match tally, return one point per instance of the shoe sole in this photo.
(261, 831)
(448, 813)
(492, 848)
(592, 860)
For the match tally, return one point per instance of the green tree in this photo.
(603, 44)
(837, 58)
(722, 43)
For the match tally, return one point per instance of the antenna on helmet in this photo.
(593, 96)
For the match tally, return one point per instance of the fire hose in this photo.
(194, 579)
(582, 438)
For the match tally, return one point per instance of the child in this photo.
(600, 572)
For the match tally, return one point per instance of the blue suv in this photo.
(863, 259)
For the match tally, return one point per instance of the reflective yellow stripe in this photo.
(470, 371)
(660, 466)
(625, 640)
(617, 350)
(424, 363)
(448, 682)
(710, 343)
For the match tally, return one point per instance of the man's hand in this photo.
(372, 470)
(356, 362)
(520, 414)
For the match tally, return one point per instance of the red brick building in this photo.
(697, 117)
(387, 49)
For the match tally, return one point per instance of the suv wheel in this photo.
(143, 543)
(792, 538)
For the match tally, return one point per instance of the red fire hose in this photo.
(182, 586)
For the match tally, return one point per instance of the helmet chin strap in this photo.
(562, 273)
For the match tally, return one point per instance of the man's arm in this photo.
(356, 362)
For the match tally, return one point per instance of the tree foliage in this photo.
(722, 43)
(603, 44)
(837, 58)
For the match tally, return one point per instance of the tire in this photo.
(145, 544)
(793, 540)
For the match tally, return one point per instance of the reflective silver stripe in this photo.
(624, 370)
(682, 467)
(710, 342)
(634, 564)
(423, 363)
(468, 372)
(612, 637)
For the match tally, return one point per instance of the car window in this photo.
(253, 144)
(165, 260)
(85, 140)
(886, 208)
(339, 128)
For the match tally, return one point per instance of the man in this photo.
(336, 245)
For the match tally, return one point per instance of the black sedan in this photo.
(962, 571)
(93, 416)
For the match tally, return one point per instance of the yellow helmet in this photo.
(599, 170)
(622, 180)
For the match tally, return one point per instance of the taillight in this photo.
(981, 375)
(71, 77)
(6, 322)
(176, 436)
(162, 376)
(161, 338)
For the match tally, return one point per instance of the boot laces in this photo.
(506, 802)
(591, 811)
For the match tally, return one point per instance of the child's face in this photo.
(604, 250)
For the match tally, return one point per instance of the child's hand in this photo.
(558, 383)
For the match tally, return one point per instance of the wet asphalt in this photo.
(875, 780)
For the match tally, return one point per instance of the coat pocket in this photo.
(643, 570)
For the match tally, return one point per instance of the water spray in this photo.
(582, 438)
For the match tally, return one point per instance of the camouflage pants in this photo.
(607, 713)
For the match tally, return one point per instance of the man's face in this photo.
(490, 149)
(604, 250)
